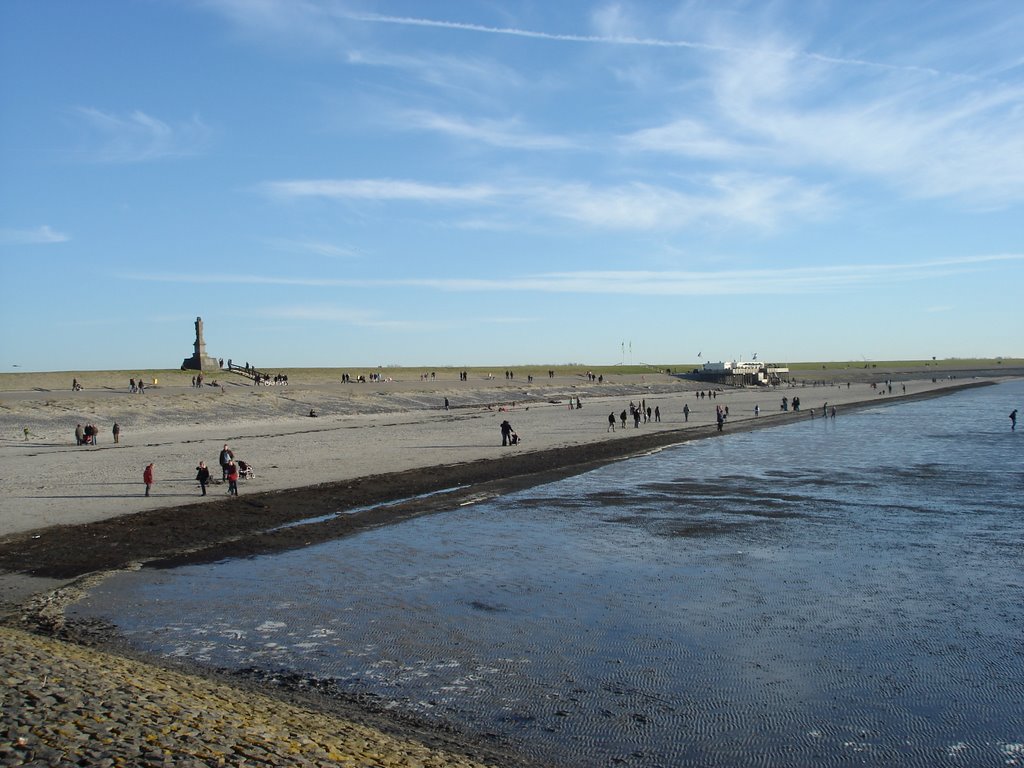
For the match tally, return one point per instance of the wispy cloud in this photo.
(737, 198)
(360, 318)
(509, 134)
(927, 139)
(795, 280)
(139, 137)
(630, 40)
(691, 138)
(378, 189)
(319, 248)
(39, 236)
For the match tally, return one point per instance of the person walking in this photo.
(232, 469)
(611, 422)
(117, 432)
(225, 456)
(203, 476)
(506, 432)
(147, 476)
(1013, 420)
(686, 412)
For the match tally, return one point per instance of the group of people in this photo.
(89, 434)
(231, 470)
(136, 387)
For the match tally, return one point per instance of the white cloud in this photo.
(613, 18)
(378, 189)
(508, 134)
(138, 137)
(691, 138)
(360, 318)
(737, 198)
(40, 235)
(317, 247)
(740, 282)
(929, 138)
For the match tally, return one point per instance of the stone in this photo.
(200, 361)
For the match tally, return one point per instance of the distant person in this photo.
(80, 434)
(147, 476)
(232, 470)
(117, 432)
(312, 413)
(225, 456)
(506, 432)
(203, 476)
(611, 422)
(757, 410)
(622, 416)
(686, 412)
(657, 413)
(446, 403)
(1013, 420)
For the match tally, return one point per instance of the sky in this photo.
(360, 183)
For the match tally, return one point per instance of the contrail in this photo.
(650, 42)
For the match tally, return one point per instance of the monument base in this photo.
(200, 363)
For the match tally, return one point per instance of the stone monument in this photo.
(200, 361)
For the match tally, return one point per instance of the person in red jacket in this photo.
(147, 477)
(232, 478)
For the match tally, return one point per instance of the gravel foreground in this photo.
(68, 705)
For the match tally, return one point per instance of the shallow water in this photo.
(832, 592)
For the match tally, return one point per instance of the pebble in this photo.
(65, 704)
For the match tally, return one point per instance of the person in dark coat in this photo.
(203, 476)
(226, 455)
(506, 432)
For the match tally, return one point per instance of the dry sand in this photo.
(361, 430)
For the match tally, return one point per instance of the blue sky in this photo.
(355, 183)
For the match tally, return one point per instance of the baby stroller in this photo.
(245, 470)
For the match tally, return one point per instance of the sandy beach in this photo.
(370, 443)
(379, 452)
